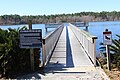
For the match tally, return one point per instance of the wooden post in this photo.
(32, 58)
(31, 50)
(94, 54)
(108, 57)
(43, 53)
(86, 28)
(30, 24)
(46, 29)
(86, 25)
(107, 39)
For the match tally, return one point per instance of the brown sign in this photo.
(30, 38)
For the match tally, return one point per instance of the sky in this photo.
(48, 7)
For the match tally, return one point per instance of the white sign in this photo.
(107, 38)
(30, 38)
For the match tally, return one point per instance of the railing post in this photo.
(94, 51)
(86, 28)
(43, 53)
(46, 29)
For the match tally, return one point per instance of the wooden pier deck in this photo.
(69, 60)
(68, 52)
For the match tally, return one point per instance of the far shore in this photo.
(46, 23)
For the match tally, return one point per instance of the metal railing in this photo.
(87, 41)
(48, 44)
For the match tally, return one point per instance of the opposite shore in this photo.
(60, 18)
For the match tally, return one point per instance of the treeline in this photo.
(59, 18)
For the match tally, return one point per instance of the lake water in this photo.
(95, 28)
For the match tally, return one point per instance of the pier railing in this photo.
(51, 25)
(48, 44)
(81, 24)
(87, 41)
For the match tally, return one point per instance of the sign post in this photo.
(31, 38)
(32, 58)
(107, 40)
(31, 49)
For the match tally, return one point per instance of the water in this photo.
(95, 28)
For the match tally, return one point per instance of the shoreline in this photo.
(46, 23)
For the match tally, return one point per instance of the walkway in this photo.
(69, 60)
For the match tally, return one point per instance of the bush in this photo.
(13, 59)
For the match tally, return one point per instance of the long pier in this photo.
(69, 53)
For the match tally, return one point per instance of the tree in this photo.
(115, 49)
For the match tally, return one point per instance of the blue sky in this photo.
(48, 7)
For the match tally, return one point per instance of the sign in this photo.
(107, 38)
(30, 38)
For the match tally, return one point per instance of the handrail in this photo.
(87, 41)
(48, 44)
(52, 25)
(80, 24)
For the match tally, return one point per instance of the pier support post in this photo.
(86, 28)
(46, 29)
